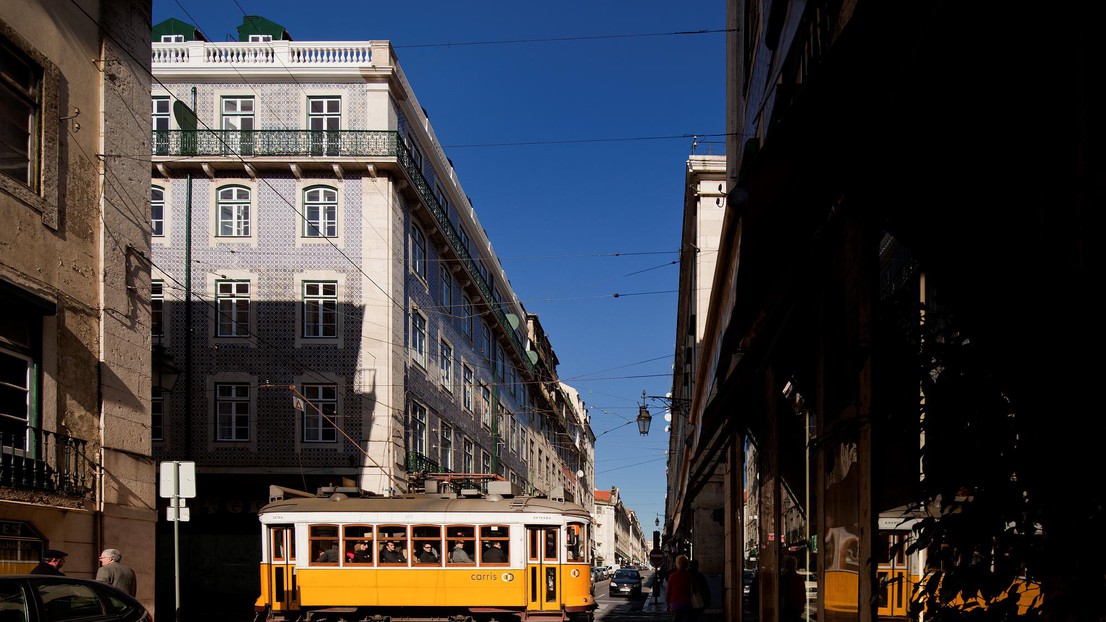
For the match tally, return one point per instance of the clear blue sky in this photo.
(569, 125)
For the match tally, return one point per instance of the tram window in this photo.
(462, 544)
(495, 544)
(324, 544)
(574, 539)
(278, 538)
(393, 545)
(550, 544)
(427, 540)
(358, 541)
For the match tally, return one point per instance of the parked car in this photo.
(52, 598)
(599, 573)
(626, 581)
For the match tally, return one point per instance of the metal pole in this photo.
(176, 537)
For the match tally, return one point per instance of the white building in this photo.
(350, 322)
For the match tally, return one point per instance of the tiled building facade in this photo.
(343, 319)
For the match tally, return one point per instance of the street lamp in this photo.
(643, 417)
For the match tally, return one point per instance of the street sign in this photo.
(656, 558)
(178, 479)
(171, 513)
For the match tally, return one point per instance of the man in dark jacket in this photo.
(52, 561)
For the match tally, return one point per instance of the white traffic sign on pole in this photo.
(178, 479)
(171, 513)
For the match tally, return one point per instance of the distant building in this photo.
(343, 315)
(76, 472)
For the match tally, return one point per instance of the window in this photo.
(467, 387)
(260, 38)
(487, 340)
(157, 416)
(486, 406)
(466, 317)
(359, 545)
(157, 305)
(418, 428)
(160, 119)
(513, 433)
(418, 252)
(500, 359)
(15, 397)
(462, 544)
(393, 543)
(427, 543)
(319, 416)
(324, 119)
(238, 125)
(446, 294)
(320, 309)
(320, 213)
(418, 338)
(323, 541)
(445, 362)
(172, 38)
(495, 544)
(233, 212)
(68, 601)
(416, 155)
(20, 115)
(512, 381)
(157, 211)
(445, 456)
(467, 450)
(232, 302)
(461, 233)
(232, 412)
(485, 462)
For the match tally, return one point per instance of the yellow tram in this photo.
(467, 556)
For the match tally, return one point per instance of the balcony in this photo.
(285, 144)
(35, 459)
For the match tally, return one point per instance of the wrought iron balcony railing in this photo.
(36, 459)
(274, 143)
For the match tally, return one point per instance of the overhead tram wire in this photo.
(704, 31)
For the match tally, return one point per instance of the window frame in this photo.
(324, 224)
(445, 446)
(324, 397)
(157, 211)
(235, 224)
(40, 190)
(445, 364)
(418, 338)
(419, 257)
(418, 427)
(235, 424)
(316, 307)
(238, 304)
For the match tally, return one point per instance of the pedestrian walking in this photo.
(114, 572)
(700, 590)
(678, 591)
(52, 561)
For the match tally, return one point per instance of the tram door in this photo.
(894, 575)
(281, 576)
(542, 568)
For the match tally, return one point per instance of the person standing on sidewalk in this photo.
(678, 591)
(700, 590)
(114, 572)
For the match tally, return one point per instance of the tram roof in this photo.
(419, 502)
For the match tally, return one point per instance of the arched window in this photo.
(157, 211)
(234, 212)
(320, 212)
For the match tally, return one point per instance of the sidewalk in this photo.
(659, 607)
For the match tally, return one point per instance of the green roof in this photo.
(257, 25)
(173, 26)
